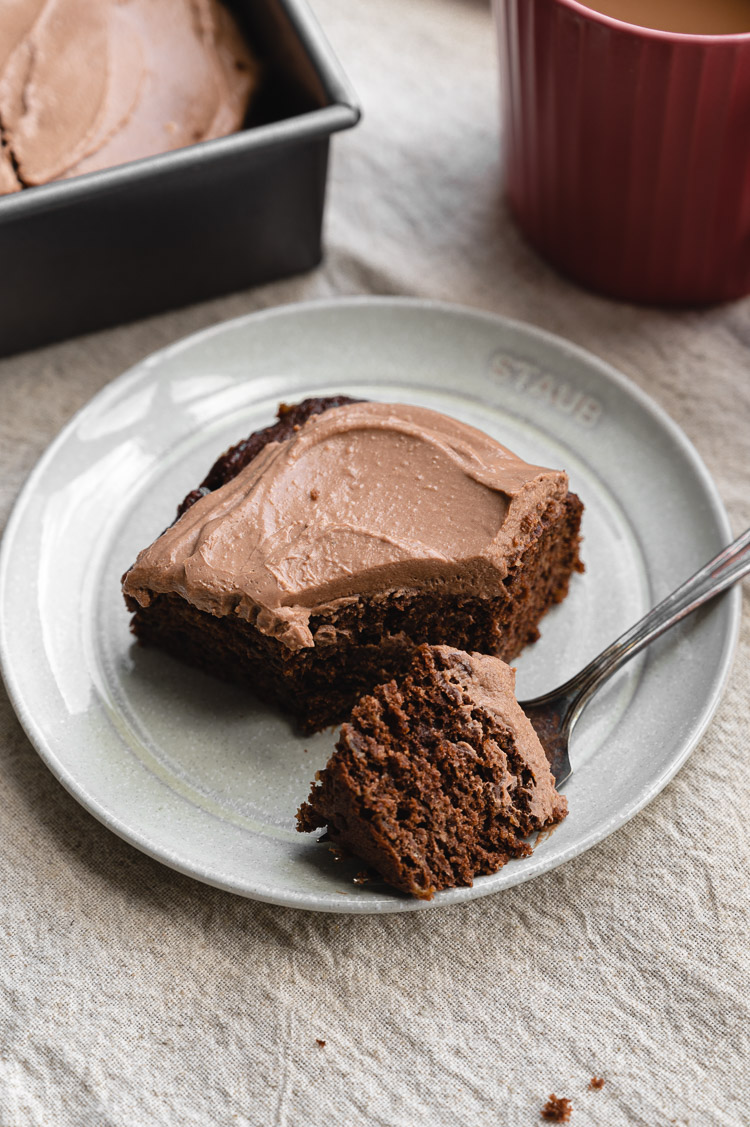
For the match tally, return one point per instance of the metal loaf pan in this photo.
(134, 240)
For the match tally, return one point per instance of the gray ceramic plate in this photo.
(199, 776)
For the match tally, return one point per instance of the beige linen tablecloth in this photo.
(130, 995)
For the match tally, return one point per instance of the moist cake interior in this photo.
(437, 778)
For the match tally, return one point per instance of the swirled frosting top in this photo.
(364, 499)
(87, 84)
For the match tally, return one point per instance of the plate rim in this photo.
(293, 898)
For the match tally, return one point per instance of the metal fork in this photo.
(555, 714)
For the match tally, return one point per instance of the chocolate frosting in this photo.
(9, 181)
(365, 499)
(87, 84)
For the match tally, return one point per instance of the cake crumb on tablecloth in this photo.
(557, 1109)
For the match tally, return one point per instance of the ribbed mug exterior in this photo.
(628, 151)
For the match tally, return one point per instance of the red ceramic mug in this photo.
(628, 151)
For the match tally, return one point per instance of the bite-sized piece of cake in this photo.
(88, 84)
(438, 777)
(318, 553)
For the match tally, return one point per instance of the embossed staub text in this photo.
(550, 390)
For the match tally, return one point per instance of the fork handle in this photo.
(721, 572)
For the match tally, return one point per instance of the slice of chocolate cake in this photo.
(437, 777)
(319, 552)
